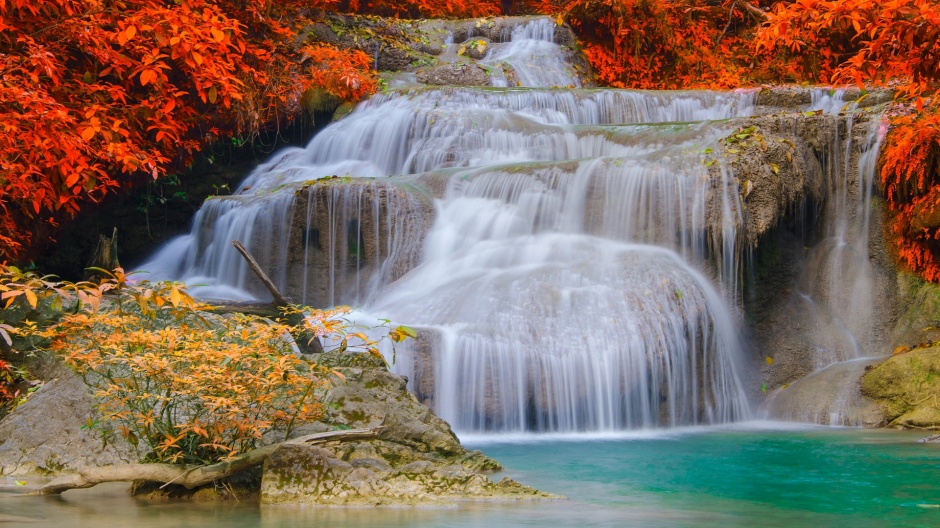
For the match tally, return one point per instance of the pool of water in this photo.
(751, 475)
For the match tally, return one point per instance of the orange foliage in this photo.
(427, 8)
(182, 384)
(910, 176)
(94, 92)
(896, 42)
(658, 44)
(858, 41)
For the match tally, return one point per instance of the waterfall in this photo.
(839, 288)
(570, 256)
(531, 54)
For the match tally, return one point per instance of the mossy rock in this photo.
(908, 388)
(920, 321)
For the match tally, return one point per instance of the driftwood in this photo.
(279, 299)
(307, 343)
(190, 476)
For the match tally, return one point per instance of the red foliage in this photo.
(658, 44)
(427, 8)
(910, 176)
(896, 43)
(858, 41)
(93, 92)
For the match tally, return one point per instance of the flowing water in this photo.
(697, 477)
(570, 260)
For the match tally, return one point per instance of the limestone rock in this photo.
(310, 474)
(830, 396)
(417, 459)
(455, 75)
(45, 434)
(907, 386)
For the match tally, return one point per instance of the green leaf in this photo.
(408, 331)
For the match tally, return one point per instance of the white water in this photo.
(533, 57)
(581, 270)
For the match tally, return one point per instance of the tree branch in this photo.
(307, 343)
(279, 299)
(190, 476)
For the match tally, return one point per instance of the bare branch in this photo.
(190, 476)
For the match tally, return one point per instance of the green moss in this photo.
(354, 416)
(906, 387)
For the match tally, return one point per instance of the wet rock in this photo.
(782, 163)
(350, 235)
(315, 475)
(475, 48)
(906, 386)
(830, 396)
(455, 75)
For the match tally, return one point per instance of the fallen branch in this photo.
(279, 299)
(307, 343)
(190, 476)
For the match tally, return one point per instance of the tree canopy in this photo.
(98, 94)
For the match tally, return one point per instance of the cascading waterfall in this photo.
(531, 54)
(838, 285)
(577, 271)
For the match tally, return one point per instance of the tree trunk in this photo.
(104, 257)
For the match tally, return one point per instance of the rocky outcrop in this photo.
(49, 432)
(798, 178)
(908, 388)
(314, 475)
(416, 459)
(349, 236)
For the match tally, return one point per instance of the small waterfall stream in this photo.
(838, 285)
(571, 261)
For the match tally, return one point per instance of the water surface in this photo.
(695, 477)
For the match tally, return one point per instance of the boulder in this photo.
(455, 75)
(310, 474)
(908, 388)
(48, 432)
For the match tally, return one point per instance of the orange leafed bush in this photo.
(188, 390)
(180, 383)
(910, 176)
(660, 44)
(857, 41)
(427, 8)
